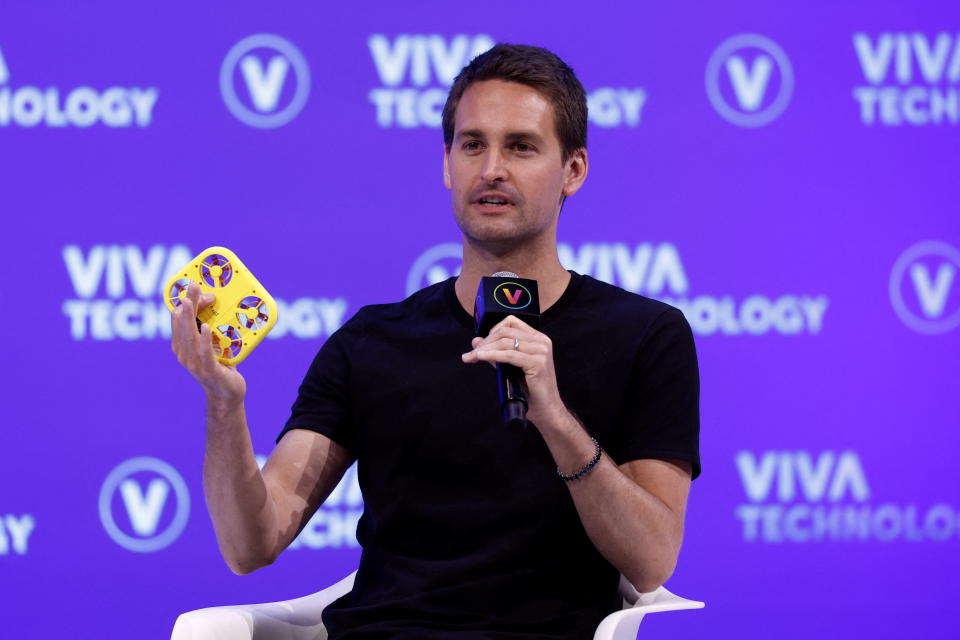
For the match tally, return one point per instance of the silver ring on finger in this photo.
(516, 344)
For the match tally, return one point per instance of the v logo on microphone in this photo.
(512, 298)
(512, 295)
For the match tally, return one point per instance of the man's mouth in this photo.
(493, 200)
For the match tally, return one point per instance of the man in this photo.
(471, 530)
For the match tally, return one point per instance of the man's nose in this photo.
(495, 167)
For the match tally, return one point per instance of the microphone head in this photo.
(504, 294)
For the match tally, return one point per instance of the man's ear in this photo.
(446, 167)
(576, 169)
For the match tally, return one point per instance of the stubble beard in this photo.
(499, 235)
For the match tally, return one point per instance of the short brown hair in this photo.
(537, 68)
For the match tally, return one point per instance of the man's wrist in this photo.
(573, 449)
(557, 419)
(220, 407)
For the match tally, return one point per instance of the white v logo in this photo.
(144, 511)
(264, 87)
(749, 85)
(4, 72)
(437, 273)
(933, 296)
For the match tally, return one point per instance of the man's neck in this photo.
(540, 265)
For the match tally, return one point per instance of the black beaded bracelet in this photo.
(576, 475)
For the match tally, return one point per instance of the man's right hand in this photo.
(255, 513)
(195, 351)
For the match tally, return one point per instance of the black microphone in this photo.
(498, 296)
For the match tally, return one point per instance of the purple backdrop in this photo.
(786, 173)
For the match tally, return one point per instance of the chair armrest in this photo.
(321, 599)
(623, 625)
(298, 619)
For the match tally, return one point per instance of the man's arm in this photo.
(255, 514)
(634, 513)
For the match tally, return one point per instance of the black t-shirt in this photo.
(467, 531)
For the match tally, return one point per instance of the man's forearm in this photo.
(237, 497)
(632, 528)
(635, 521)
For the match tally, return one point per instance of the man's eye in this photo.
(472, 145)
(522, 147)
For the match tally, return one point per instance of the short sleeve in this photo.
(322, 403)
(661, 415)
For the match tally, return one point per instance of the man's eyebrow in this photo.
(471, 133)
(524, 135)
(513, 136)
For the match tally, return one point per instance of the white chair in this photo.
(300, 619)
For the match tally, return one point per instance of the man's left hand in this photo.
(533, 355)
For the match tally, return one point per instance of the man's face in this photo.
(503, 167)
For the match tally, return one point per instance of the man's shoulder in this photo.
(426, 300)
(612, 313)
(606, 298)
(419, 305)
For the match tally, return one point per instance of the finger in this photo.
(497, 333)
(185, 328)
(503, 356)
(471, 356)
(173, 328)
(522, 331)
(523, 335)
(512, 321)
(207, 350)
(511, 344)
(206, 299)
(503, 343)
(193, 293)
